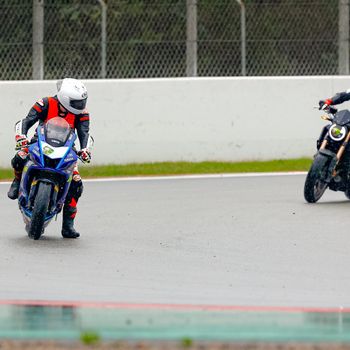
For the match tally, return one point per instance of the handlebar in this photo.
(329, 110)
(332, 110)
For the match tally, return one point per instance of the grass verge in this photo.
(182, 168)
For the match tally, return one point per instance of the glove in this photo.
(324, 105)
(21, 142)
(85, 155)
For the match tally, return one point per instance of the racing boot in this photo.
(14, 188)
(68, 230)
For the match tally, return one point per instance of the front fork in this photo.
(339, 154)
(341, 148)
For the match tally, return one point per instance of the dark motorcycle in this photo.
(47, 175)
(331, 165)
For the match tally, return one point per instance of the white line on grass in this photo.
(184, 177)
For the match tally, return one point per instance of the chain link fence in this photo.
(155, 38)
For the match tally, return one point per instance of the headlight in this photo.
(337, 132)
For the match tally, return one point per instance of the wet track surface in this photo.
(233, 241)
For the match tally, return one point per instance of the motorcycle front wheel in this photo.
(41, 205)
(315, 185)
(347, 194)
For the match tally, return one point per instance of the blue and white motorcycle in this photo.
(47, 175)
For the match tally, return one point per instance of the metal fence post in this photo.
(191, 42)
(103, 38)
(243, 38)
(38, 40)
(343, 39)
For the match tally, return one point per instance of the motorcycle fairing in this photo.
(37, 167)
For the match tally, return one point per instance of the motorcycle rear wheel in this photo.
(315, 186)
(41, 205)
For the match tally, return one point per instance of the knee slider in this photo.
(77, 188)
(80, 189)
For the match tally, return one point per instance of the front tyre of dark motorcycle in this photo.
(315, 185)
(41, 205)
(347, 193)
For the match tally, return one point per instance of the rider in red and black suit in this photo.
(70, 104)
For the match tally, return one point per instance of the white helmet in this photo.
(72, 95)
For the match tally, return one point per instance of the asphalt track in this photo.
(249, 241)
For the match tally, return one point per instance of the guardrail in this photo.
(190, 119)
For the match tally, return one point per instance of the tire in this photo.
(315, 185)
(41, 205)
(347, 193)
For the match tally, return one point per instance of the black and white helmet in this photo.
(72, 95)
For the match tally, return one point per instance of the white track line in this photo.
(184, 177)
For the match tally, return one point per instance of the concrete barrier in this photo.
(223, 119)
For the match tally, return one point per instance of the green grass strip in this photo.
(182, 168)
(6, 174)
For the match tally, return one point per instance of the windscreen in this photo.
(57, 131)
